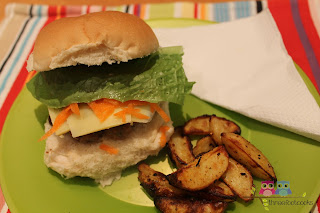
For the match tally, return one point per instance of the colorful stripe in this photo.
(311, 57)
(18, 37)
(203, 11)
(291, 29)
(313, 38)
(242, 9)
(187, 10)
(20, 52)
(221, 12)
(136, 10)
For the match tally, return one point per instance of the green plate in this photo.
(29, 186)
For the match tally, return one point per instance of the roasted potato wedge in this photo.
(219, 125)
(239, 179)
(197, 126)
(188, 205)
(248, 155)
(156, 183)
(218, 191)
(180, 148)
(202, 172)
(203, 145)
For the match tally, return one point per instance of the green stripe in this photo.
(161, 10)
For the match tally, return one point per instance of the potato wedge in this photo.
(218, 191)
(219, 125)
(188, 205)
(202, 172)
(198, 126)
(248, 155)
(156, 183)
(203, 145)
(180, 148)
(239, 179)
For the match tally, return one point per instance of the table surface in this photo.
(3, 3)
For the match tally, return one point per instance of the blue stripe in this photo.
(221, 12)
(17, 58)
(242, 9)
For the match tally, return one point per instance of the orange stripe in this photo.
(58, 12)
(142, 11)
(29, 76)
(203, 11)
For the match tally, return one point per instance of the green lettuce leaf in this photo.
(158, 77)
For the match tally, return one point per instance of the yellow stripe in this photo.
(187, 10)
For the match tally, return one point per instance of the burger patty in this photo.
(115, 133)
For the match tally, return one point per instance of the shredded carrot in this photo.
(112, 101)
(136, 112)
(162, 113)
(163, 137)
(122, 115)
(75, 108)
(109, 149)
(60, 119)
(132, 111)
(103, 108)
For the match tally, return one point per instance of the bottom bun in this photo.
(82, 157)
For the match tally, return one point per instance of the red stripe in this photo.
(88, 9)
(281, 12)
(2, 201)
(103, 8)
(195, 10)
(136, 10)
(63, 11)
(52, 11)
(19, 82)
(318, 204)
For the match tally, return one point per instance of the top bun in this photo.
(92, 39)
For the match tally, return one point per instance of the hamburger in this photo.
(107, 85)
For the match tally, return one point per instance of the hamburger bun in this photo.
(92, 39)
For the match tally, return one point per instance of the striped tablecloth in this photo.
(297, 20)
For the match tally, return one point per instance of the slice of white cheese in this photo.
(88, 122)
(64, 128)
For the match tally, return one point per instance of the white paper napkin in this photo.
(243, 66)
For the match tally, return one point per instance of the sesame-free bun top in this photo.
(92, 39)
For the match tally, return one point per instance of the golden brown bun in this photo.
(92, 39)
